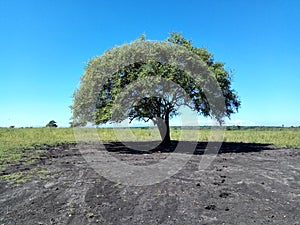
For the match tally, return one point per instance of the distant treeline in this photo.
(188, 127)
(210, 127)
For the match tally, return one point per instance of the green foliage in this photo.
(223, 76)
(51, 123)
(99, 100)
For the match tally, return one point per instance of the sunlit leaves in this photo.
(126, 82)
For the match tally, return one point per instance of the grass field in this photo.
(22, 138)
(15, 143)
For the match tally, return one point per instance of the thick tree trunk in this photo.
(164, 130)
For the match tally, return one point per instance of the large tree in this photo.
(151, 87)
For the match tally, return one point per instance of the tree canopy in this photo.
(51, 123)
(147, 80)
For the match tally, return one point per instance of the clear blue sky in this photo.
(44, 47)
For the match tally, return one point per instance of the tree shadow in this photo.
(186, 147)
(232, 147)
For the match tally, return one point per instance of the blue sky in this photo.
(45, 45)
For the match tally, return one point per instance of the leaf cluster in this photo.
(145, 88)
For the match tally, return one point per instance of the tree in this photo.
(51, 123)
(107, 93)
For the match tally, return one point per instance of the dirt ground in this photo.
(245, 184)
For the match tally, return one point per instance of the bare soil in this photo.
(245, 184)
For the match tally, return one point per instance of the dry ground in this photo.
(245, 184)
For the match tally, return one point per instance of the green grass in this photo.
(14, 142)
(21, 177)
(279, 137)
(18, 144)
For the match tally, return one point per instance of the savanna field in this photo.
(22, 138)
(24, 144)
(44, 179)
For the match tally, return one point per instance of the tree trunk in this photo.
(164, 130)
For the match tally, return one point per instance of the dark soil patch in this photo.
(245, 184)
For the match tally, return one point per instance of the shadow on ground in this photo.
(186, 147)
